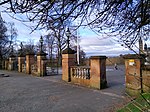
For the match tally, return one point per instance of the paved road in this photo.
(25, 93)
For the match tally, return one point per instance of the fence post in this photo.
(41, 68)
(98, 72)
(29, 62)
(68, 59)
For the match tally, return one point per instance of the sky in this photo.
(91, 43)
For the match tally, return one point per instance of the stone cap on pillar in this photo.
(68, 51)
(41, 53)
(30, 53)
(134, 56)
(98, 57)
(6, 59)
(12, 55)
(21, 55)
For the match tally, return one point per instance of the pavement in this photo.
(26, 93)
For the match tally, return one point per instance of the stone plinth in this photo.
(29, 62)
(11, 63)
(67, 61)
(133, 64)
(98, 72)
(21, 60)
(41, 64)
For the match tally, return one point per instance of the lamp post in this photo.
(68, 34)
(41, 41)
(12, 49)
(21, 46)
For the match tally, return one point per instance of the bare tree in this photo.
(7, 38)
(127, 18)
(12, 32)
(49, 41)
(29, 47)
(56, 42)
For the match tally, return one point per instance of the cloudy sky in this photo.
(91, 43)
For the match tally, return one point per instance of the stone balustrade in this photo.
(93, 76)
(82, 72)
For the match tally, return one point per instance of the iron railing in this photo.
(33, 68)
(24, 68)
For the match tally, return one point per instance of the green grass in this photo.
(141, 104)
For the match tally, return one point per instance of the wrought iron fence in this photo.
(24, 68)
(33, 68)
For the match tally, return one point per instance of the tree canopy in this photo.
(126, 19)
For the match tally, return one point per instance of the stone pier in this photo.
(11, 62)
(133, 79)
(68, 59)
(98, 72)
(21, 60)
(41, 64)
(29, 62)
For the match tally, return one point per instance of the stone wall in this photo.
(80, 81)
(93, 76)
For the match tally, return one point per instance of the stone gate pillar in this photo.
(21, 60)
(133, 71)
(98, 72)
(6, 64)
(11, 62)
(68, 59)
(29, 62)
(3, 64)
(41, 64)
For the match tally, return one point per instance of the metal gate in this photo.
(52, 68)
(15, 65)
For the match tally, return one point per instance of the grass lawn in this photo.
(141, 104)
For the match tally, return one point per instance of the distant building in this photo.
(145, 50)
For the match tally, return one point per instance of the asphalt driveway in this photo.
(25, 93)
